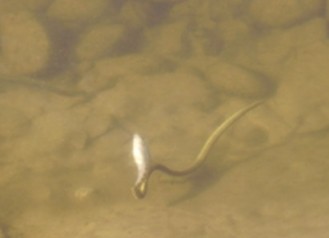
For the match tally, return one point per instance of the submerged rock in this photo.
(24, 44)
(280, 13)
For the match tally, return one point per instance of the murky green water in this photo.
(78, 78)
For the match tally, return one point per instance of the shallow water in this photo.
(78, 78)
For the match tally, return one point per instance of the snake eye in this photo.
(141, 157)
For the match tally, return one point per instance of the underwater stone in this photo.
(302, 100)
(76, 11)
(24, 44)
(98, 41)
(237, 81)
(167, 39)
(12, 122)
(279, 13)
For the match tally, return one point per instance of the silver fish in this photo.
(141, 157)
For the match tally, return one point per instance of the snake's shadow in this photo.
(207, 177)
(199, 182)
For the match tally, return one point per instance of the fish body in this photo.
(141, 157)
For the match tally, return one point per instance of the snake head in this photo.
(142, 160)
(139, 190)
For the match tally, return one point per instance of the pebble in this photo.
(232, 31)
(139, 14)
(138, 92)
(83, 193)
(76, 11)
(316, 119)
(273, 50)
(33, 5)
(233, 80)
(56, 130)
(24, 44)
(99, 41)
(12, 123)
(19, 101)
(107, 71)
(101, 110)
(161, 44)
(305, 90)
(225, 9)
(281, 13)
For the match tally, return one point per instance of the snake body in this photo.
(146, 166)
